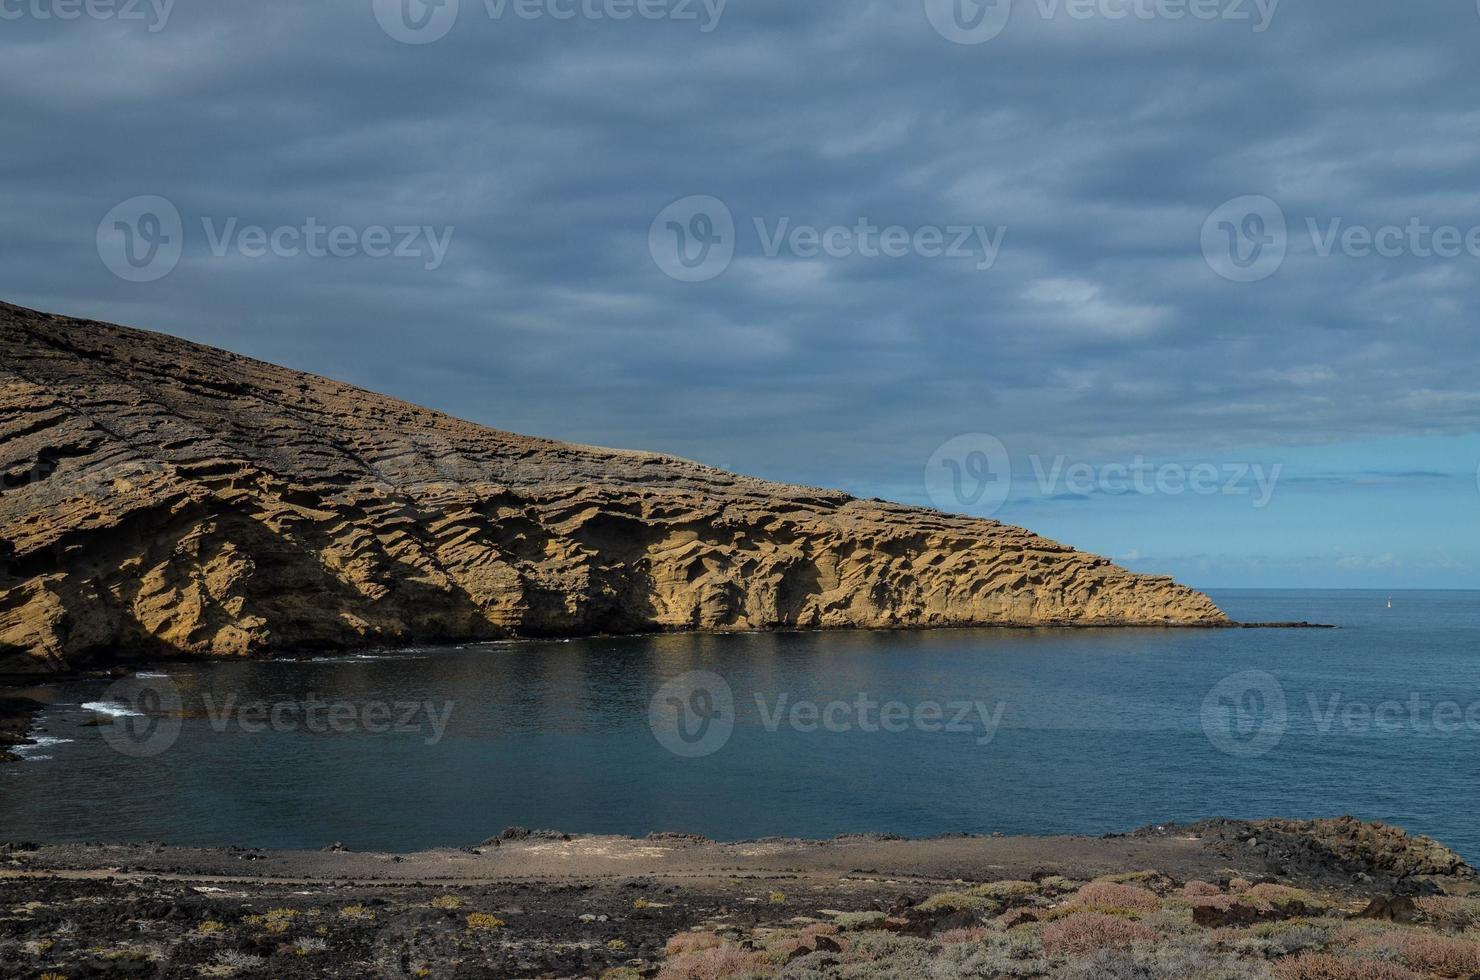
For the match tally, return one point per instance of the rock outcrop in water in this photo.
(165, 498)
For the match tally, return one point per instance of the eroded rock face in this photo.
(161, 497)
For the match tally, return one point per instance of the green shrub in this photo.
(1107, 894)
(857, 920)
(1006, 891)
(959, 902)
(1281, 897)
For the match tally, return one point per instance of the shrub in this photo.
(778, 898)
(1181, 958)
(1091, 932)
(1444, 955)
(356, 912)
(721, 963)
(1197, 889)
(482, 921)
(1106, 894)
(238, 959)
(878, 946)
(1005, 891)
(274, 921)
(1366, 936)
(1281, 897)
(959, 902)
(1017, 954)
(1449, 911)
(1147, 879)
(1065, 911)
(1273, 940)
(784, 946)
(447, 902)
(952, 937)
(1111, 964)
(783, 949)
(857, 920)
(210, 926)
(1320, 966)
(1057, 883)
(691, 942)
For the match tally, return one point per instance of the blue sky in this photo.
(541, 164)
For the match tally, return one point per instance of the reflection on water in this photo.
(1022, 731)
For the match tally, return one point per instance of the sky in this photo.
(1189, 283)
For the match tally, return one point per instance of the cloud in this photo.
(1080, 304)
(550, 146)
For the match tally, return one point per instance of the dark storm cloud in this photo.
(549, 146)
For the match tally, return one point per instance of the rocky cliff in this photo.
(164, 498)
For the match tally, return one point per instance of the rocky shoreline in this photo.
(15, 723)
(1223, 898)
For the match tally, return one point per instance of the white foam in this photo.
(113, 709)
(39, 742)
(149, 674)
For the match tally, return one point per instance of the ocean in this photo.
(797, 735)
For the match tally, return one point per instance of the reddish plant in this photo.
(1090, 932)
(722, 963)
(1447, 910)
(691, 942)
(1444, 955)
(1320, 966)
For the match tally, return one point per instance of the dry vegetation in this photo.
(1129, 927)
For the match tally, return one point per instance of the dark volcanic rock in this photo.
(1342, 849)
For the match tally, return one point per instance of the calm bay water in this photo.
(1020, 731)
